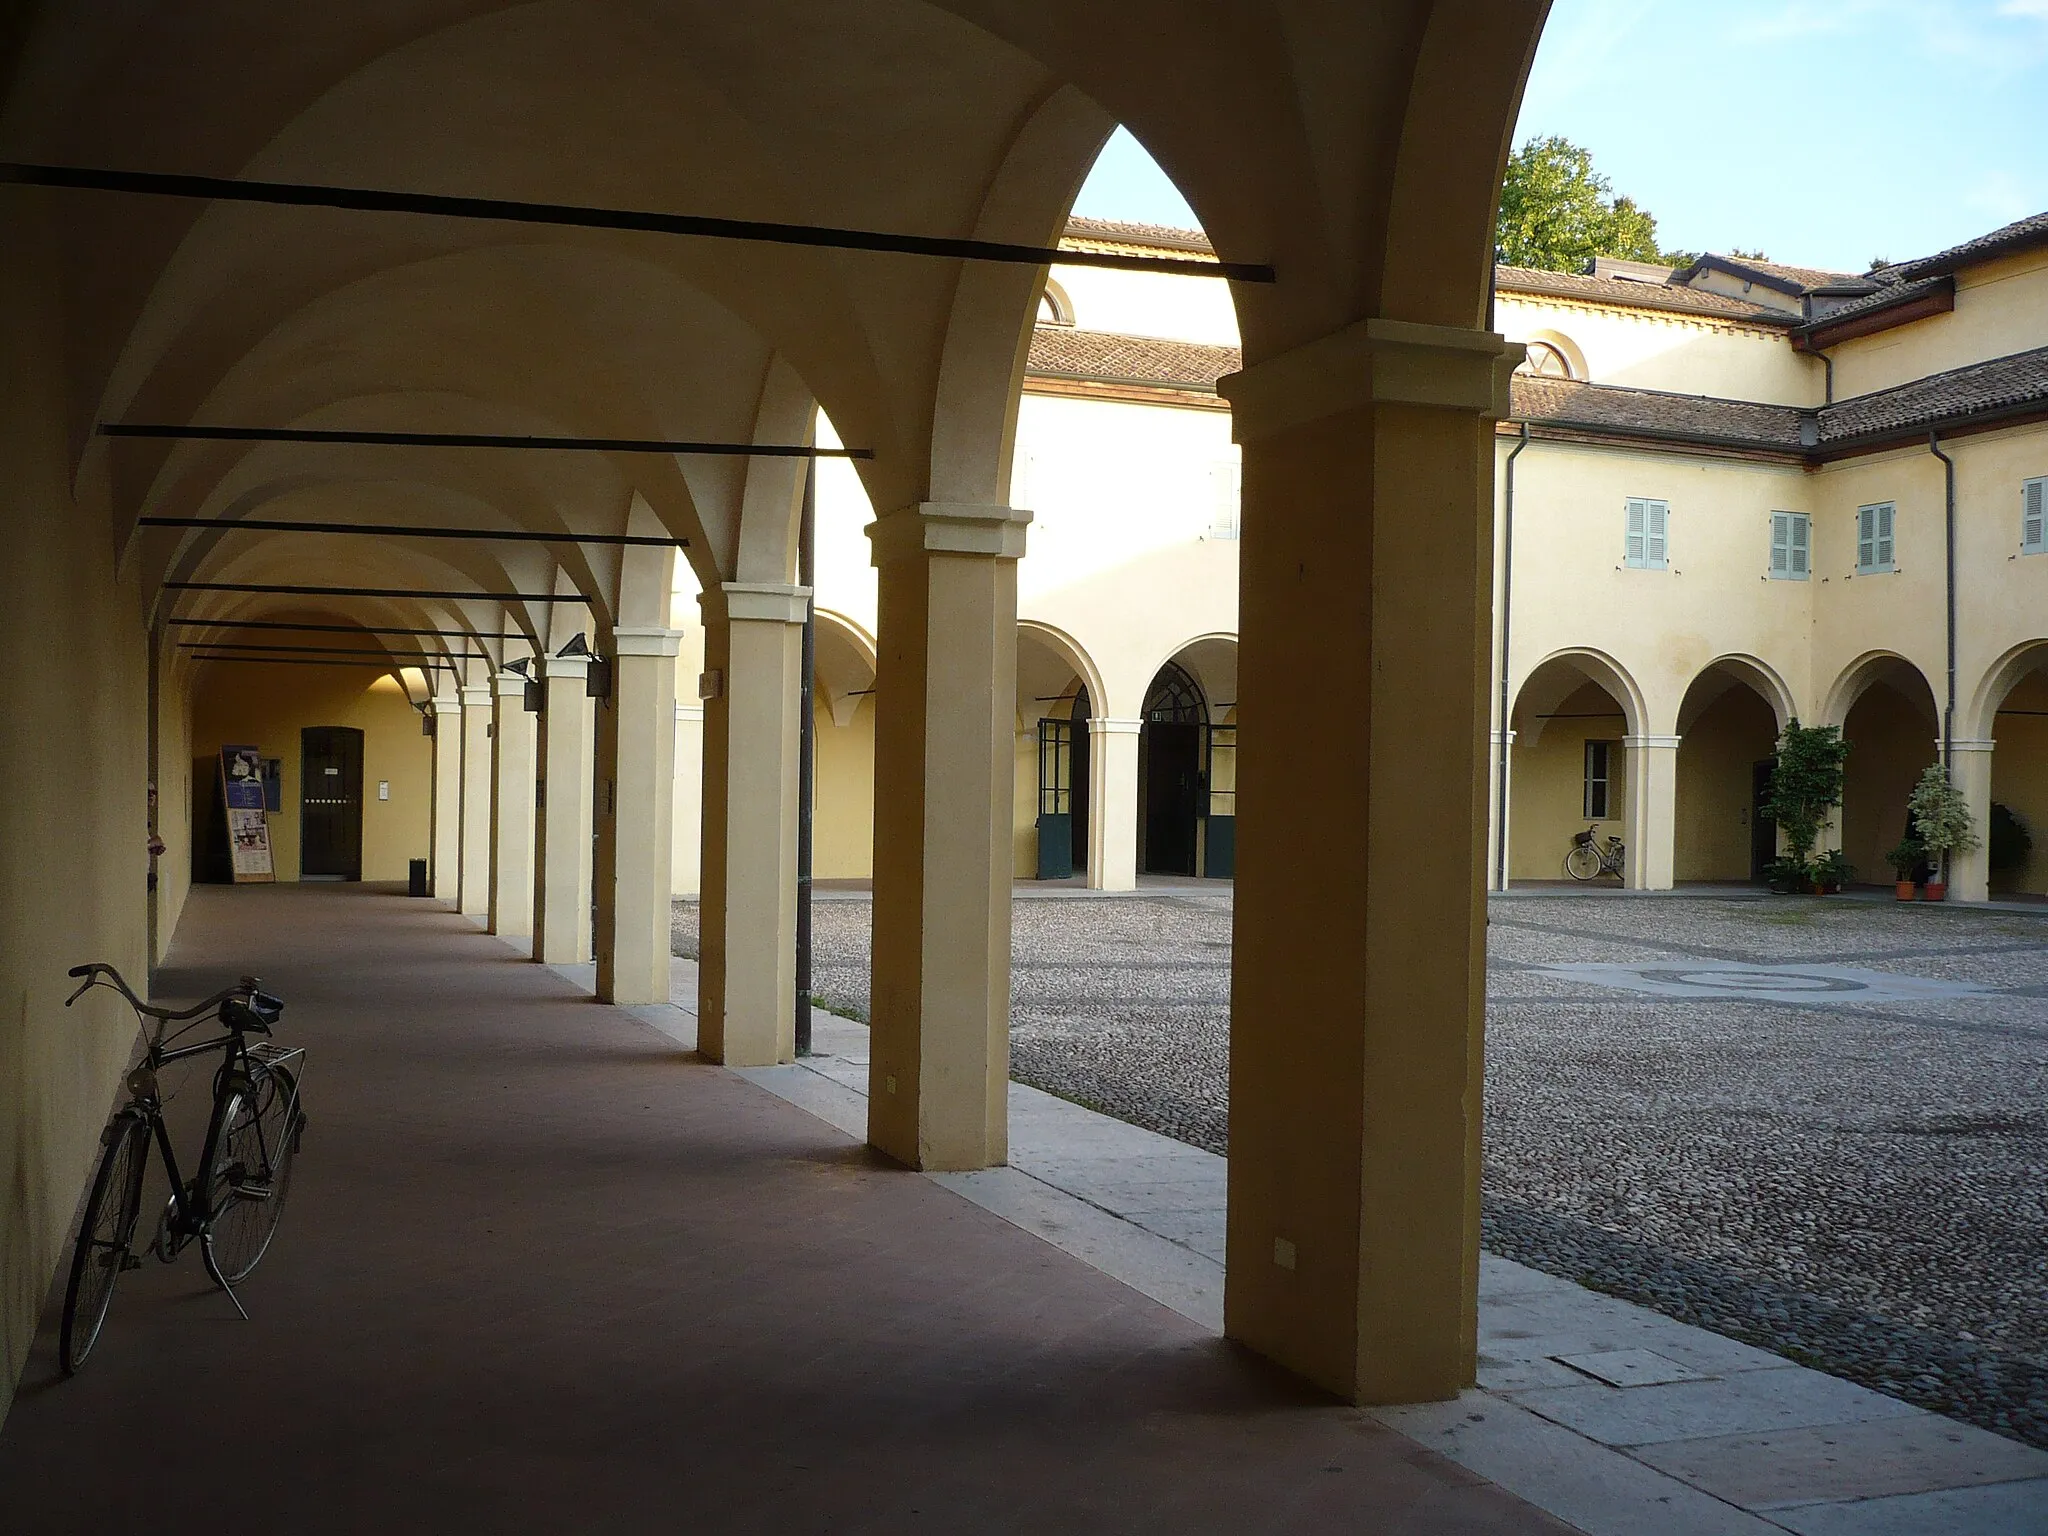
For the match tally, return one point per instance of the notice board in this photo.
(241, 794)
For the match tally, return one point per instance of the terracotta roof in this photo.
(1062, 352)
(1608, 409)
(1634, 295)
(1891, 295)
(1806, 277)
(1999, 384)
(1157, 237)
(2021, 235)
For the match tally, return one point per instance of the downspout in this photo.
(1829, 364)
(1507, 593)
(1948, 713)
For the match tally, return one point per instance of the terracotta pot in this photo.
(1906, 890)
(1937, 890)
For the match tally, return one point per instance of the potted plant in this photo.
(1831, 871)
(1806, 784)
(1905, 858)
(1941, 820)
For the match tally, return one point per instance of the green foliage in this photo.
(1788, 874)
(1941, 815)
(1906, 858)
(1833, 869)
(2011, 841)
(1558, 213)
(1741, 255)
(1806, 783)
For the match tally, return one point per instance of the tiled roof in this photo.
(1061, 352)
(1891, 295)
(1806, 277)
(2021, 235)
(1160, 237)
(1634, 295)
(1605, 408)
(2002, 383)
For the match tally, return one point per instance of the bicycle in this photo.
(231, 1207)
(1589, 858)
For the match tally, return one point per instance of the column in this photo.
(635, 800)
(474, 875)
(1500, 805)
(746, 997)
(446, 839)
(562, 823)
(685, 858)
(1358, 993)
(945, 694)
(1113, 804)
(1969, 874)
(1652, 824)
(512, 796)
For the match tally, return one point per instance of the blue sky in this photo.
(1822, 132)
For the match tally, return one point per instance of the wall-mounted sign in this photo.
(241, 794)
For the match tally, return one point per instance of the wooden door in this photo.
(330, 803)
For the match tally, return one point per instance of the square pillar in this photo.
(635, 799)
(1113, 804)
(474, 872)
(1359, 967)
(746, 1000)
(945, 765)
(445, 841)
(512, 794)
(1652, 822)
(1969, 874)
(562, 823)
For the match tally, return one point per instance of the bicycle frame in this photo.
(193, 1205)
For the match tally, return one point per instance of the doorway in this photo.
(1170, 773)
(330, 803)
(1763, 832)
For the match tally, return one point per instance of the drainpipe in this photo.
(807, 739)
(1948, 713)
(1829, 364)
(1507, 591)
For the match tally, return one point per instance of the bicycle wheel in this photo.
(105, 1233)
(1583, 862)
(252, 1171)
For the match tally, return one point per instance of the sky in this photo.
(1823, 133)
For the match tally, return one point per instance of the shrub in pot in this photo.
(1831, 871)
(1905, 858)
(1806, 784)
(1788, 876)
(1942, 822)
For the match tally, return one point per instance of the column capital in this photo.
(510, 685)
(441, 706)
(1504, 738)
(1373, 362)
(949, 528)
(1658, 743)
(757, 602)
(1103, 725)
(646, 640)
(690, 712)
(1977, 745)
(476, 695)
(568, 668)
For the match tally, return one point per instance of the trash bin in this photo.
(416, 878)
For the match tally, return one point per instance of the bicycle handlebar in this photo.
(99, 973)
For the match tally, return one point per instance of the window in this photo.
(1874, 539)
(1791, 546)
(1599, 779)
(1647, 543)
(2034, 517)
(1223, 498)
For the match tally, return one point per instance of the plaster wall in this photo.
(174, 795)
(1150, 304)
(1548, 780)
(2001, 308)
(1716, 761)
(269, 706)
(843, 845)
(1891, 736)
(1651, 349)
(2019, 778)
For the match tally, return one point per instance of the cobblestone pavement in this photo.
(1860, 1185)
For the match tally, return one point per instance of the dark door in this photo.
(1763, 832)
(1055, 799)
(1079, 756)
(330, 803)
(1173, 761)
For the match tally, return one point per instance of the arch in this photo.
(1073, 653)
(1554, 355)
(1768, 683)
(1857, 677)
(1890, 716)
(1729, 721)
(845, 671)
(1999, 680)
(1212, 660)
(1055, 306)
(1598, 667)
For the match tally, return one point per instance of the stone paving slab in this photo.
(2002, 1509)
(1744, 1402)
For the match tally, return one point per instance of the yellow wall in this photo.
(843, 845)
(173, 776)
(2001, 308)
(1655, 349)
(1716, 763)
(268, 706)
(74, 757)
(1549, 782)
(2019, 776)
(1891, 742)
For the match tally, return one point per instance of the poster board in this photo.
(241, 794)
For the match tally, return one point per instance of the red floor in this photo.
(541, 1272)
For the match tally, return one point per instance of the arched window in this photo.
(1546, 360)
(1175, 696)
(1054, 307)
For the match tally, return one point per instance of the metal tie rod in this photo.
(307, 661)
(347, 629)
(333, 650)
(368, 200)
(407, 531)
(453, 595)
(215, 434)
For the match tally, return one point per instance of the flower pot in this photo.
(1937, 890)
(1906, 890)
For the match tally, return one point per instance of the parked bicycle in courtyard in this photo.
(1591, 857)
(232, 1205)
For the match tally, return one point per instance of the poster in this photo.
(241, 793)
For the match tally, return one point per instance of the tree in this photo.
(1558, 213)
(1806, 783)
(1941, 816)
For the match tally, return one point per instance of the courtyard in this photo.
(1818, 1126)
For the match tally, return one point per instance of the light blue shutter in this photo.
(1884, 536)
(2034, 517)
(1866, 538)
(1656, 544)
(1802, 544)
(1638, 531)
(1781, 543)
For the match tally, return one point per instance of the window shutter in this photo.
(1884, 537)
(1781, 543)
(1866, 537)
(1656, 544)
(1802, 542)
(1638, 531)
(2034, 516)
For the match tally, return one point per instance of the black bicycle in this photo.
(231, 1208)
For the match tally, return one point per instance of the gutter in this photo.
(1507, 594)
(1948, 713)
